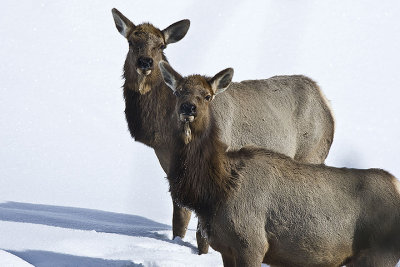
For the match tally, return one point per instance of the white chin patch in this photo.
(186, 118)
(141, 72)
(397, 185)
(187, 133)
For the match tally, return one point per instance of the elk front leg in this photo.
(180, 221)
(252, 255)
(202, 243)
(228, 260)
(180, 216)
(248, 260)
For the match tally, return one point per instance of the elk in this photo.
(287, 114)
(255, 205)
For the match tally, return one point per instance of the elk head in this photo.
(146, 46)
(194, 94)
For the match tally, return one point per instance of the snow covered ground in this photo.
(45, 235)
(75, 190)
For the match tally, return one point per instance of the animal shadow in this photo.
(87, 219)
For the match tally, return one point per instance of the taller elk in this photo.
(256, 205)
(287, 114)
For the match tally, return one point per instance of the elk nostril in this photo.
(145, 63)
(183, 108)
(187, 108)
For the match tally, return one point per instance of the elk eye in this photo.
(136, 33)
(208, 97)
(176, 93)
(163, 46)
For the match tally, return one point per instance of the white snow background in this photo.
(76, 190)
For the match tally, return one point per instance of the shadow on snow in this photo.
(87, 219)
(40, 258)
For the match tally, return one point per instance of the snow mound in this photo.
(8, 259)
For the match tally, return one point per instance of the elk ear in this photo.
(221, 81)
(176, 31)
(170, 76)
(124, 25)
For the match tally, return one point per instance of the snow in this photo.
(76, 190)
(46, 235)
(8, 259)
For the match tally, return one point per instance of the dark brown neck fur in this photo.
(201, 173)
(148, 114)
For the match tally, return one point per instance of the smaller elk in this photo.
(255, 205)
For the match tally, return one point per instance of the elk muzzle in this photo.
(144, 65)
(187, 112)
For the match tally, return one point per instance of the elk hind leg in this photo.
(376, 258)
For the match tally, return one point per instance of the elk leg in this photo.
(248, 260)
(253, 255)
(180, 216)
(228, 260)
(376, 258)
(180, 221)
(202, 243)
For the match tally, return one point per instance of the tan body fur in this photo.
(290, 214)
(287, 114)
(286, 213)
